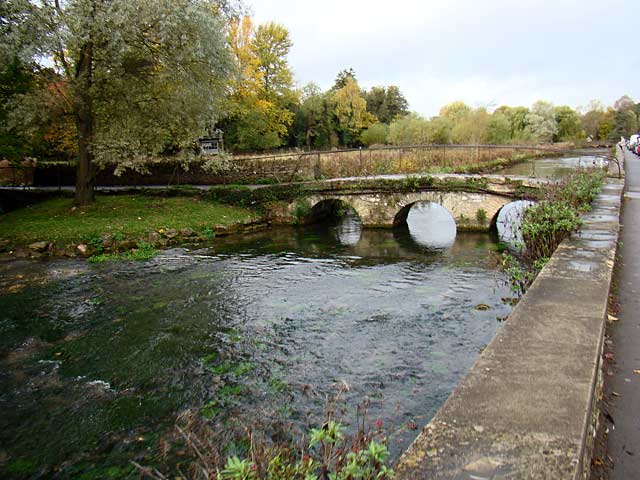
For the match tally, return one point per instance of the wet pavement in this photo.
(617, 454)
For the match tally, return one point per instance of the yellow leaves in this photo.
(351, 107)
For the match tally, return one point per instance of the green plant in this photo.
(237, 469)
(481, 216)
(549, 222)
(144, 251)
(264, 449)
(301, 211)
(322, 458)
(545, 225)
(96, 244)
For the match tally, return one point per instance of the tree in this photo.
(376, 134)
(313, 119)
(625, 123)
(455, 111)
(625, 102)
(606, 124)
(592, 118)
(271, 45)
(411, 129)
(15, 80)
(470, 126)
(261, 97)
(342, 78)
(386, 103)
(541, 122)
(140, 75)
(498, 129)
(568, 123)
(350, 109)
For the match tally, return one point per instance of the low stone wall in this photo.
(526, 410)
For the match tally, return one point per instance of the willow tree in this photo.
(138, 76)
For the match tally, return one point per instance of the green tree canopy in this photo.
(262, 97)
(139, 75)
(376, 134)
(569, 124)
(541, 121)
(499, 128)
(386, 103)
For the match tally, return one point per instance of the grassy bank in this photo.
(116, 218)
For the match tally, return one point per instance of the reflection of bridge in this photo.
(474, 201)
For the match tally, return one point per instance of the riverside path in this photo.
(618, 455)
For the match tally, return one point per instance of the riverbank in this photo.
(117, 223)
(526, 408)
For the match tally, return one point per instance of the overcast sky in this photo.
(484, 52)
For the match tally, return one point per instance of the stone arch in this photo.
(400, 218)
(324, 208)
(495, 219)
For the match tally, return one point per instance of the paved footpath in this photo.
(618, 455)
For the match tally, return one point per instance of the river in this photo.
(96, 360)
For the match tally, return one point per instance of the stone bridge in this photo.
(474, 201)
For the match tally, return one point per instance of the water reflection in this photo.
(348, 229)
(509, 223)
(431, 225)
(556, 168)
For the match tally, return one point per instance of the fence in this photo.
(302, 166)
(383, 160)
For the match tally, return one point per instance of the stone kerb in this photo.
(526, 408)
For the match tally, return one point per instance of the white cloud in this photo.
(480, 51)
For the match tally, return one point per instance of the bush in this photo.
(550, 221)
(375, 134)
(545, 225)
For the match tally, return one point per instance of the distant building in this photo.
(213, 143)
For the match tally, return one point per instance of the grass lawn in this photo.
(131, 216)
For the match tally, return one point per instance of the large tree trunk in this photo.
(84, 123)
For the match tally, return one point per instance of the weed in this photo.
(301, 211)
(247, 452)
(144, 251)
(208, 232)
(481, 216)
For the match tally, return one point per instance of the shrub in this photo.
(550, 221)
(545, 225)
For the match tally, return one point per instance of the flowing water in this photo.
(97, 360)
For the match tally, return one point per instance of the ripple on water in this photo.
(135, 343)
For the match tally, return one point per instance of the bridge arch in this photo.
(400, 218)
(473, 210)
(508, 219)
(329, 207)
